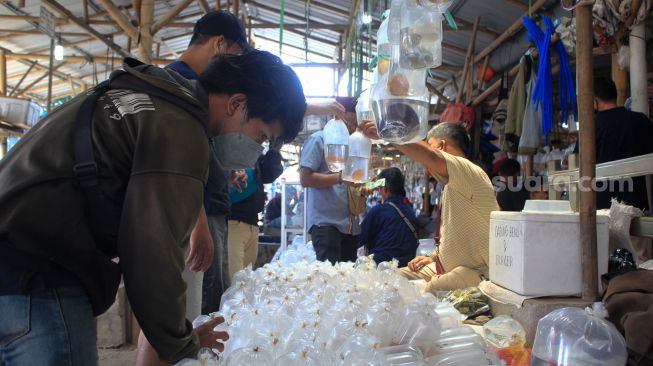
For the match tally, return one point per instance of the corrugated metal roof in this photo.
(496, 15)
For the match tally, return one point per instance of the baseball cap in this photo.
(222, 23)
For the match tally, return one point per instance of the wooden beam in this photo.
(120, 18)
(3, 72)
(136, 5)
(67, 13)
(20, 32)
(468, 59)
(145, 46)
(75, 58)
(236, 8)
(587, 137)
(169, 16)
(516, 26)
(204, 5)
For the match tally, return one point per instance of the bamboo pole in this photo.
(120, 18)
(85, 10)
(145, 46)
(236, 7)
(468, 58)
(3, 72)
(74, 58)
(516, 26)
(38, 80)
(218, 4)
(620, 78)
(638, 79)
(204, 5)
(585, 74)
(169, 16)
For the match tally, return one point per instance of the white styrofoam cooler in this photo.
(539, 253)
(16, 110)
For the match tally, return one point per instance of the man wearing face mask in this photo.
(468, 198)
(143, 154)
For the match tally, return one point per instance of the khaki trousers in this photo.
(459, 277)
(242, 245)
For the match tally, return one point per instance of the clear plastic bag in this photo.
(420, 37)
(336, 144)
(503, 331)
(573, 336)
(357, 167)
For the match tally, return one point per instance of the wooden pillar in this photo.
(587, 174)
(145, 46)
(218, 4)
(468, 59)
(620, 78)
(236, 7)
(3, 72)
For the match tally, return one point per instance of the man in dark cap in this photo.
(334, 230)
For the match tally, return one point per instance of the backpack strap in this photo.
(410, 226)
(103, 218)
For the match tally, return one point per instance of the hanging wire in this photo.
(281, 20)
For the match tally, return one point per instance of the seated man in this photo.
(388, 230)
(468, 198)
(273, 212)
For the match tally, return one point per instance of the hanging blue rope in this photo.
(543, 93)
(566, 84)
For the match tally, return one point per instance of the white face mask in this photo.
(237, 150)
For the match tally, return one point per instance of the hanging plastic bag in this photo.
(573, 336)
(420, 37)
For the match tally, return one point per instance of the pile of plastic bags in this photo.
(297, 312)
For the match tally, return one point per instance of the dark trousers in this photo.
(216, 279)
(332, 245)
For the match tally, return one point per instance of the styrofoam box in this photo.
(16, 110)
(539, 254)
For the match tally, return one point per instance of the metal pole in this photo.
(50, 72)
(585, 74)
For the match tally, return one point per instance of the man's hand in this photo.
(419, 262)
(200, 255)
(329, 108)
(368, 128)
(238, 179)
(210, 338)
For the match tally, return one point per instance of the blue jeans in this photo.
(54, 327)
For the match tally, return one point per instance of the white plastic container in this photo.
(358, 162)
(17, 110)
(336, 144)
(539, 254)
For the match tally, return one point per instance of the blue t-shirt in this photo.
(387, 234)
(183, 69)
(326, 206)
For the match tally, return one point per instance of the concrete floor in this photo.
(123, 356)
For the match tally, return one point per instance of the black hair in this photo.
(509, 168)
(394, 181)
(273, 90)
(200, 39)
(453, 133)
(605, 89)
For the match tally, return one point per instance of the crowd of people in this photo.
(156, 179)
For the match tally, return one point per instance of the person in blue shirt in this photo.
(389, 229)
